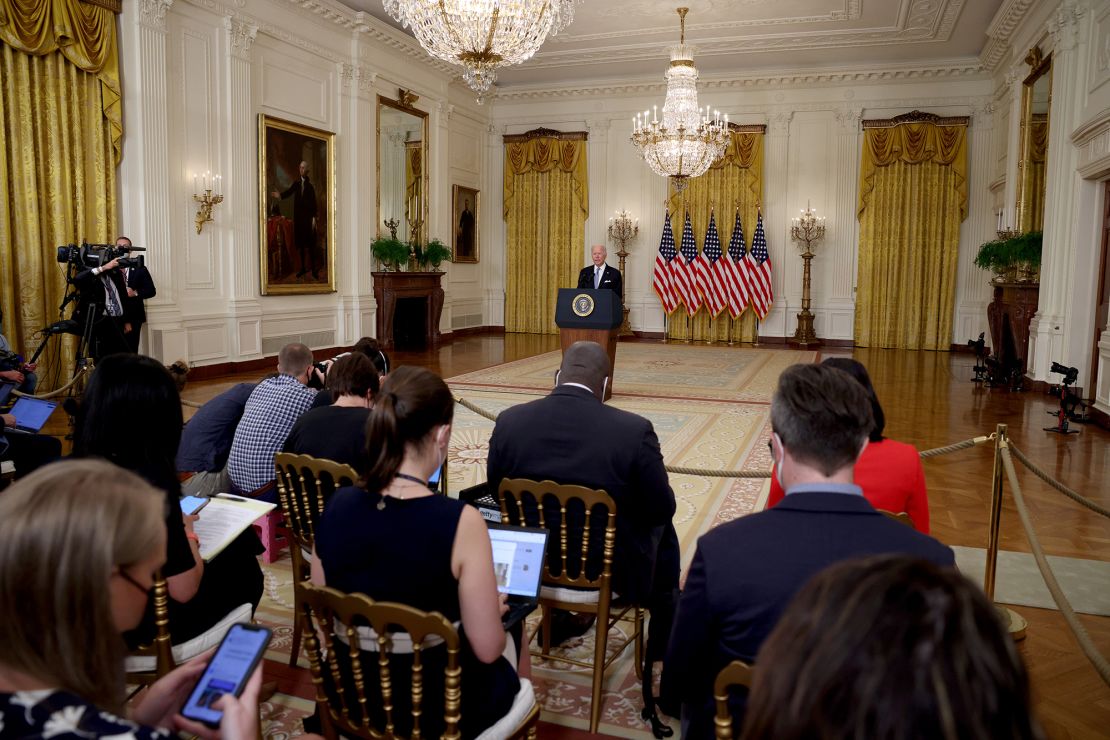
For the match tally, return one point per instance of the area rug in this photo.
(1019, 582)
(703, 372)
(710, 409)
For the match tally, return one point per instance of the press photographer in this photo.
(94, 270)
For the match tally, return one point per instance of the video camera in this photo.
(1071, 374)
(95, 255)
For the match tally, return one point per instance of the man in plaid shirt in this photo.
(273, 407)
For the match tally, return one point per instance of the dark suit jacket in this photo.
(744, 574)
(610, 278)
(304, 210)
(108, 336)
(570, 437)
(139, 280)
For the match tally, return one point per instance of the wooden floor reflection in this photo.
(930, 401)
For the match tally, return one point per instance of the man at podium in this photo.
(599, 274)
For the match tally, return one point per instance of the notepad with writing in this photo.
(225, 518)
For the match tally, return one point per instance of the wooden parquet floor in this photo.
(929, 401)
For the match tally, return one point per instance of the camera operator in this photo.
(102, 290)
(13, 368)
(140, 287)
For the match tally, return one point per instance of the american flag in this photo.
(661, 277)
(759, 271)
(732, 268)
(710, 280)
(682, 270)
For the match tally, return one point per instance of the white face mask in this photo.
(778, 460)
(604, 386)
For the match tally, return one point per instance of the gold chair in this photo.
(580, 593)
(304, 484)
(736, 673)
(343, 631)
(147, 663)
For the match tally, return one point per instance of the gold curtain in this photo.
(546, 197)
(1032, 215)
(60, 138)
(414, 189)
(913, 197)
(734, 181)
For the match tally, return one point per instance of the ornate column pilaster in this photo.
(1047, 331)
(355, 226)
(440, 215)
(1013, 140)
(146, 185)
(837, 260)
(493, 213)
(776, 158)
(597, 152)
(973, 291)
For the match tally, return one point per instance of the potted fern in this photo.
(432, 254)
(1013, 260)
(390, 252)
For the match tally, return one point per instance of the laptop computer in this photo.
(31, 413)
(518, 558)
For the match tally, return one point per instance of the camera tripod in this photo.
(1069, 402)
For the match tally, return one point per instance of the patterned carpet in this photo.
(710, 408)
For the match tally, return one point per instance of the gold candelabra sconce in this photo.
(392, 224)
(208, 190)
(807, 229)
(623, 229)
(1005, 230)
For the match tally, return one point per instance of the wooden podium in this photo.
(586, 315)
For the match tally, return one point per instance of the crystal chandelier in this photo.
(482, 35)
(688, 139)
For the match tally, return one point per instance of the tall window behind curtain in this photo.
(734, 181)
(913, 198)
(60, 138)
(546, 198)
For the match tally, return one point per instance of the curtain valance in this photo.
(529, 153)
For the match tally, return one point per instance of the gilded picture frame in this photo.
(465, 234)
(296, 198)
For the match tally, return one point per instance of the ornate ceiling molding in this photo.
(1001, 29)
(798, 78)
(152, 13)
(917, 116)
(926, 21)
(851, 12)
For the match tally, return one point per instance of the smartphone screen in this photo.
(228, 671)
(193, 504)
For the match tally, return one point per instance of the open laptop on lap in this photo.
(518, 558)
(31, 414)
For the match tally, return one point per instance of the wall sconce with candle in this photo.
(208, 190)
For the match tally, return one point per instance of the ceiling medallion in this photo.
(688, 139)
(482, 35)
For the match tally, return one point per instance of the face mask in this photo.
(604, 386)
(778, 461)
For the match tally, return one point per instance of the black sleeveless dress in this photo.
(402, 553)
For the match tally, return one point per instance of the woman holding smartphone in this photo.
(80, 542)
(392, 539)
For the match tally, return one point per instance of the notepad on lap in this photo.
(225, 518)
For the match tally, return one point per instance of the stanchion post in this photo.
(996, 513)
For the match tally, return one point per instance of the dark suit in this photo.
(610, 278)
(571, 437)
(744, 574)
(107, 335)
(304, 211)
(134, 312)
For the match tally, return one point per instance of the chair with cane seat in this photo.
(147, 663)
(376, 668)
(576, 581)
(736, 673)
(304, 484)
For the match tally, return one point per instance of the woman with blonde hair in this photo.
(80, 544)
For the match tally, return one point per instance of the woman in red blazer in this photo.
(889, 472)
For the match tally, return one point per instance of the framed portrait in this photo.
(296, 192)
(464, 229)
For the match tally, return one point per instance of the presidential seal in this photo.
(583, 304)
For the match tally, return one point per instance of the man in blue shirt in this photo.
(206, 441)
(745, 572)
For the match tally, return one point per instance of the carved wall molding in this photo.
(851, 12)
(547, 133)
(242, 35)
(1063, 25)
(152, 13)
(798, 78)
(924, 21)
(1092, 139)
(849, 118)
(1001, 29)
(778, 123)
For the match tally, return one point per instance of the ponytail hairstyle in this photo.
(413, 401)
